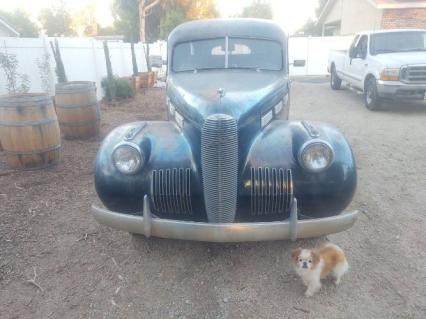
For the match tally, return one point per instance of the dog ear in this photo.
(295, 253)
(315, 258)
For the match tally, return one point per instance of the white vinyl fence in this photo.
(83, 58)
(315, 51)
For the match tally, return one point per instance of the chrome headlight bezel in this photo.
(137, 151)
(312, 143)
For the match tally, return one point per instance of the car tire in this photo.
(371, 97)
(335, 81)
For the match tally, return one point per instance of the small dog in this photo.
(314, 264)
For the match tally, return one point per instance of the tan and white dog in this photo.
(314, 264)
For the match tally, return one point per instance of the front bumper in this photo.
(400, 90)
(292, 228)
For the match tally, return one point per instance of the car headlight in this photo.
(389, 75)
(316, 156)
(128, 159)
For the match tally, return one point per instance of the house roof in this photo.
(379, 4)
(8, 27)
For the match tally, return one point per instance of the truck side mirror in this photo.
(299, 63)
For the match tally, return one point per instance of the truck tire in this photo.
(335, 81)
(371, 98)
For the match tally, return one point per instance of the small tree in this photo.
(110, 83)
(147, 58)
(16, 82)
(44, 67)
(60, 69)
(134, 63)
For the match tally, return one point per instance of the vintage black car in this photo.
(228, 165)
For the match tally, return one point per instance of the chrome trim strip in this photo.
(227, 232)
(312, 130)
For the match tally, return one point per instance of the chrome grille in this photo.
(219, 162)
(413, 74)
(171, 191)
(271, 190)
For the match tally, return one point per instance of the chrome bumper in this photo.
(231, 232)
(400, 90)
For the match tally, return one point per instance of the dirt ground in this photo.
(85, 270)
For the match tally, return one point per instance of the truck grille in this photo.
(414, 74)
(219, 162)
(271, 191)
(171, 191)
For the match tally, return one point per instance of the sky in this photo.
(289, 14)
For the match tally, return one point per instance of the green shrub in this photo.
(116, 88)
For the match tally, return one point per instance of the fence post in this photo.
(46, 48)
(97, 76)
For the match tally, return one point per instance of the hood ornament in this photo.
(221, 93)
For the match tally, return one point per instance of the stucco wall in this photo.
(335, 13)
(356, 16)
(360, 15)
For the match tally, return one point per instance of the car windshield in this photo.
(230, 53)
(407, 41)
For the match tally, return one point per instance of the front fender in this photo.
(166, 151)
(319, 194)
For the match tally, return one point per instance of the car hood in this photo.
(398, 59)
(245, 93)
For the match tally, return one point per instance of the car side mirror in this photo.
(164, 62)
(352, 53)
(299, 63)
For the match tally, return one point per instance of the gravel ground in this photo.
(85, 270)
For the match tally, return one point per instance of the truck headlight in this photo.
(389, 75)
(127, 158)
(316, 156)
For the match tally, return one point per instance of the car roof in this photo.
(220, 28)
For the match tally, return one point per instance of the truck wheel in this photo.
(371, 98)
(335, 81)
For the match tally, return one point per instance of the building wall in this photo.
(335, 13)
(6, 33)
(359, 15)
(404, 18)
(355, 16)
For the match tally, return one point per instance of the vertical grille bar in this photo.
(219, 162)
(271, 190)
(171, 191)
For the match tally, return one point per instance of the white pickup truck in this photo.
(382, 64)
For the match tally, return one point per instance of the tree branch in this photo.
(149, 7)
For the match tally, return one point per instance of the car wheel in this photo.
(371, 97)
(335, 81)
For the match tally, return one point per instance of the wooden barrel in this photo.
(77, 108)
(29, 130)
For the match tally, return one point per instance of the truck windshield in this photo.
(406, 41)
(230, 53)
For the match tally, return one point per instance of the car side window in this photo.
(361, 48)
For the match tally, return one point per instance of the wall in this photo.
(358, 16)
(355, 16)
(404, 18)
(83, 58)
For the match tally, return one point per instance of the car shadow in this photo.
(403, 107)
